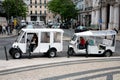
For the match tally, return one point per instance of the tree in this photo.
(65, 8)
(14, 8)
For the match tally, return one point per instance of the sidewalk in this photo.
(33, 62)
(14, 33)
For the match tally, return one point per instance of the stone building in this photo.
(106, 13)
(37, 11)
(85, 11)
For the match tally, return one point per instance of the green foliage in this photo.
(65, 8)
(14, 8)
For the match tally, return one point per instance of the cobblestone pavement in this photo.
(78, 69)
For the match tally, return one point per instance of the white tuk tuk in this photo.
(97, 42)
(49, 41)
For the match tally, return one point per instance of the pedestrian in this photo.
(115, 30)
(4, 29)
(86, 47)
(8, 29)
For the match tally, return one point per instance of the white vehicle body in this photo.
(103, 42)
(48, 40)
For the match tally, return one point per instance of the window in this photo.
(45, 37)
(45, 12)
(31, 6)
(33, 18)
(23, 39)
(45, 6)
(44, 1)
(40, 2)
(40, 12)
(30, 12)
(35, 12)
(57, 37)
(40, 6)
(35, 6)
(30, 1)
(74, 37)
(35, 2)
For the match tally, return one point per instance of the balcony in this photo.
(88, 8)
(33, 14)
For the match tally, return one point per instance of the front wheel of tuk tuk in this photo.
(16, 54)
(52, 53)
(70, 51)
(107, 53)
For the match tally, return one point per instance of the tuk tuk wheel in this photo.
(16, 54)
(70, 51)
(52, 53)
(108, 54)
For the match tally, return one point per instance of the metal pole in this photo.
(6, 53)
(100, 20)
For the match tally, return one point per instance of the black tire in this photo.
(70, 51)
(16, 54)
(107, 53)
(52, 53)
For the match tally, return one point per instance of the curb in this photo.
(7, 36)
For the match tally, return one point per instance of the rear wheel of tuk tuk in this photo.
(52, 53)
(70, 51)
(16, 54)
(107, 53)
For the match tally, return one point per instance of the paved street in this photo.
(59, 68)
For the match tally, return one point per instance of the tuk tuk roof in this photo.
(96, 33)
(43, 30)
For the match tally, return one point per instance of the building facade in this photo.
(109, 13)
(85, 10)
(37, 11)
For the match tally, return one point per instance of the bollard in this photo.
(6, 53)
(68, 55)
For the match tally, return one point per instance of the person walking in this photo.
(4, 29)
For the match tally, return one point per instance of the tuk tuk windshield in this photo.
(74, 38)
(18, 38)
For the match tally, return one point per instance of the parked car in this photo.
(80, 29)
(56, 25)
(64, 26)
(23, 23)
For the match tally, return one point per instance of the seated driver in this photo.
(34, 42)
(82, 43)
